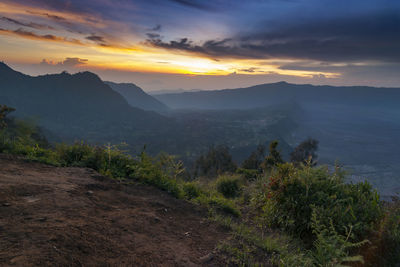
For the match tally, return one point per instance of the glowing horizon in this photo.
(192, 38)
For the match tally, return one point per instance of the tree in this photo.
(305, 152)
(4, 111)
(216, 161)
(254, 161)
(274, 157)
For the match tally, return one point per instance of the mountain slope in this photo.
(78, 106)
(282, 92)
(136, 97)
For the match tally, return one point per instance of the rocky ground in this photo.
(51, 216)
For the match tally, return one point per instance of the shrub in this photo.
(294, 193)
(218, 203)
(229, 186)
(331, 248)
(391, 234)
(224, 205)
(274, 157)
(305, 152)
(75, 155)
(148, 172)
(216, 161)
(248, 174)
(385, 247)
(191, 190)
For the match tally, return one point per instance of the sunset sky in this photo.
(171, 44)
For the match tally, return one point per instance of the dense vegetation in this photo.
(280, 213)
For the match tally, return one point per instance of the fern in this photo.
(331, 248)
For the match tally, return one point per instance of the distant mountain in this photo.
(282, 92)
(172, 91)
(79, 107)
(83, 107)
(136, 97)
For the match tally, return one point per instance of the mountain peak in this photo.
(4, 66)
(6, 71)
(87, 76)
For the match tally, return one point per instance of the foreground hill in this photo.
(75, 217)
(136, 97)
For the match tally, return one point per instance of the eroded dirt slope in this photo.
(74, 217)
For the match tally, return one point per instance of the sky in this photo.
(163, 45)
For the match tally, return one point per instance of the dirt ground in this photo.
(75, 217)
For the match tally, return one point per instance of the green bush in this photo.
(23, 138)
(191, 190)
(391, 235)
(249, 174)
(229, 186)
(331, 248)
(294, 193)
(149, 172)
(75, 155)
(224, 205)
(385, 250)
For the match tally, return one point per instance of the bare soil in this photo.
(51, 216)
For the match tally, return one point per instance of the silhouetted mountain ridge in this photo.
(136, 97)
(77, 106)
(281, 92)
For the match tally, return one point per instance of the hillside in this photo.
(76, 216)
(79, 106)
(136, 97)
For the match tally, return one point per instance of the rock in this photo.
(6, 204)
(206, 258)
(90, 192)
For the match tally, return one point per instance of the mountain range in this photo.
(274, 93)
(359, 126)
(81, 107)
(78, 107)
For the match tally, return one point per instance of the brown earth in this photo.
(52, 216)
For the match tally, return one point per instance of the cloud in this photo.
(69, 62)
(156, 28)
(48, 15)
(153, 36)
(250, 70)
(97, 39)
(29, 24)
(364, 37)
(72, 62)
(46, 37)
(195, 4)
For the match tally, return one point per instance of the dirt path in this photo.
(74, 217)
